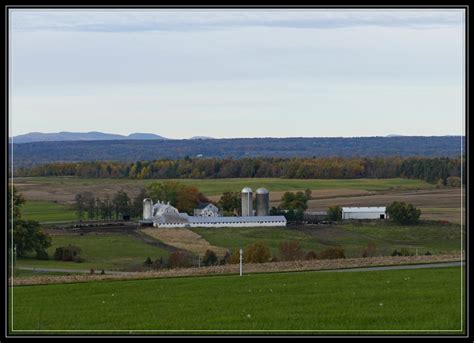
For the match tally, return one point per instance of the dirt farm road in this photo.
(359, 269)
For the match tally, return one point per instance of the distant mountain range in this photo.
(128, 149)
(79, 136)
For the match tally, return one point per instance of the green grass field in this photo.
(100, 251)
(425, 301)
(124, 251)
(353, 238)
(218, 186)
(46, 211)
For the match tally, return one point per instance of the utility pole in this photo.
(240, 258)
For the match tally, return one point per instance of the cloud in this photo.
(119, 20)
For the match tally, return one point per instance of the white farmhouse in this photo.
(364, 213)
(206, 210)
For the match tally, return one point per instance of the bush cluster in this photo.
(69, 253)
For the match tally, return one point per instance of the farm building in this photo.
(207, 210)
(165, 215)
(364, 213)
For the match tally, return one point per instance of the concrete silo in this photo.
(247, 204)
(263, 201)
(147, 208)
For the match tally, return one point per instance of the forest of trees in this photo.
(429, 169)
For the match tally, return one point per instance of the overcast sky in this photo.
(238, 73)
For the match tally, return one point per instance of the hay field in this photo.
(184, 239)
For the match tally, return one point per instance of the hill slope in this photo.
(78, 136)
(133, 150)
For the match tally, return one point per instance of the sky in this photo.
(238, 73)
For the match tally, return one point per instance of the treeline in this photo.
(429, 169)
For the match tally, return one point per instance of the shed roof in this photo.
(364, 209)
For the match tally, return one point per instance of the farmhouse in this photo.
(165, 215)
(207, 210)
(364, 213)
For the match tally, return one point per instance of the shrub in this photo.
(405, 252)
(427, 253)
(58, 254)
(210, 258)
(158, 264)
(78, 259)
(257, 253)
(332, 253)
(396, 253)
(148, 261)
(290, 251)
(404, 214)
(69, 253)
(226, 258)
(235, 257)
(42, 255)
(311, 255)
(274, 259)
(334, 213)
(370, 250)
(180, 259)
(453, 181)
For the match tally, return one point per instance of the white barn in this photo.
(165, 215)
(364, 213)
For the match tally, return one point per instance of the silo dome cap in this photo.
(247, 190)
(262, 190)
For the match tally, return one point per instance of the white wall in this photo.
(272, 224)
(363, 215)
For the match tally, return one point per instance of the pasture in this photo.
(353, 238)
(427, 301)
(100, 251)
(46, 211)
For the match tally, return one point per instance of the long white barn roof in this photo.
(364, 209)
(184, 218)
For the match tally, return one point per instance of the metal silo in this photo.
(147, 208)
(263, 201)
(247, 205)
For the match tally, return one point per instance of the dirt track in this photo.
(249, 268)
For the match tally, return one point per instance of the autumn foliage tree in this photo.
(290, 251)
(257, 252)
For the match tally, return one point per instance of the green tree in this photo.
(79, 205)
(121, 203)
(294, 201)
(210, 258)
(230, 201)
(26, 234)
(403, 213)
(15, 202)
(335, 213)
(137, 204)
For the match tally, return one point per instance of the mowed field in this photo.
(47, 211)
(100, 251)
(352, 238)
(49, 198)
(376, 302)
